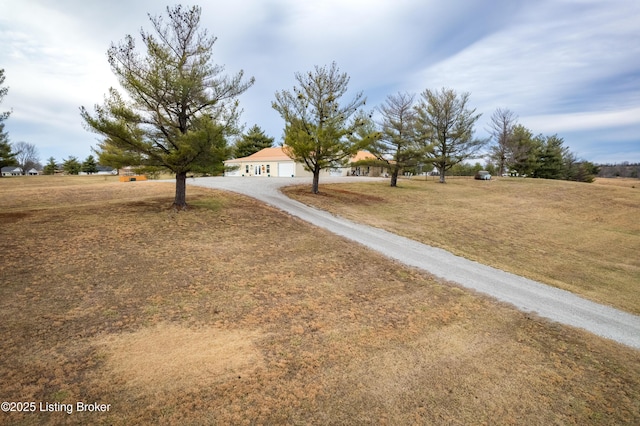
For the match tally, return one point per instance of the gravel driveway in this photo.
(527, 295)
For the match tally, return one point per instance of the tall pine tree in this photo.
(319, 126)
(251, 142)
(179, 109)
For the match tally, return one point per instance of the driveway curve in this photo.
(525, 294)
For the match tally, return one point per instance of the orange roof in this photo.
(266, 154)
(362, 155)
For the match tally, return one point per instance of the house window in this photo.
(268, 168)
(246, 169)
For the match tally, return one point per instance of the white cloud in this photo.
(554, 123)
(541, 61)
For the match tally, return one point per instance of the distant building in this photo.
(106, 170)
(103, 170)
(17, 171)
(11, 171)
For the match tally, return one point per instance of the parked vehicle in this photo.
(483, 175)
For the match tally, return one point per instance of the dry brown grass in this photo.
(584, 238)
(235, 313)
(169, 358)
(622, 182)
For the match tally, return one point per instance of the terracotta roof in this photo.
(362, 155)
(266, 154)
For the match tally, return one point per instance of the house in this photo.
(17, 171)
(106, 170)
(365, 170)
(12, 171)
(102, 170)
(266, 162)
(275, 162)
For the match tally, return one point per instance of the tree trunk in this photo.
(180, 202)
(394, 178)
(316, 181)
(441, 169)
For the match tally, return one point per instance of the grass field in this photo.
(584, 238)
(235, 313)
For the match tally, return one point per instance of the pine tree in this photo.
(318, 128)
(398, 145)
(71, 166)
(89, 165)
(179, 109)
(7, 156)
(51, 167)
(446, 123)
(251, 142)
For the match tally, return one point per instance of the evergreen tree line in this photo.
(71, 166)
(517, 151)
(546, 157)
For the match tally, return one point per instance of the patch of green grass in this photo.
(60, 396)
(208, 203)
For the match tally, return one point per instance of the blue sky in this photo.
(570, 67)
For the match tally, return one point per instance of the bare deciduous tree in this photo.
(27, 156)
(501, 128)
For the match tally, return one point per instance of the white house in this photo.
(275, 162)
(266, 162)
(12, 171)
(102, 170)
(17, 171)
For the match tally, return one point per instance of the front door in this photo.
(257, 171)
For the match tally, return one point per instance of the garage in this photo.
(286, 169)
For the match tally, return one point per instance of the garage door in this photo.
(286, 169)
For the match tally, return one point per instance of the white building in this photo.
(275, 162)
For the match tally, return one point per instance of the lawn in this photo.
(235, 313)
(584, 238)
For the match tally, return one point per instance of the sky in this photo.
(565, 67)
